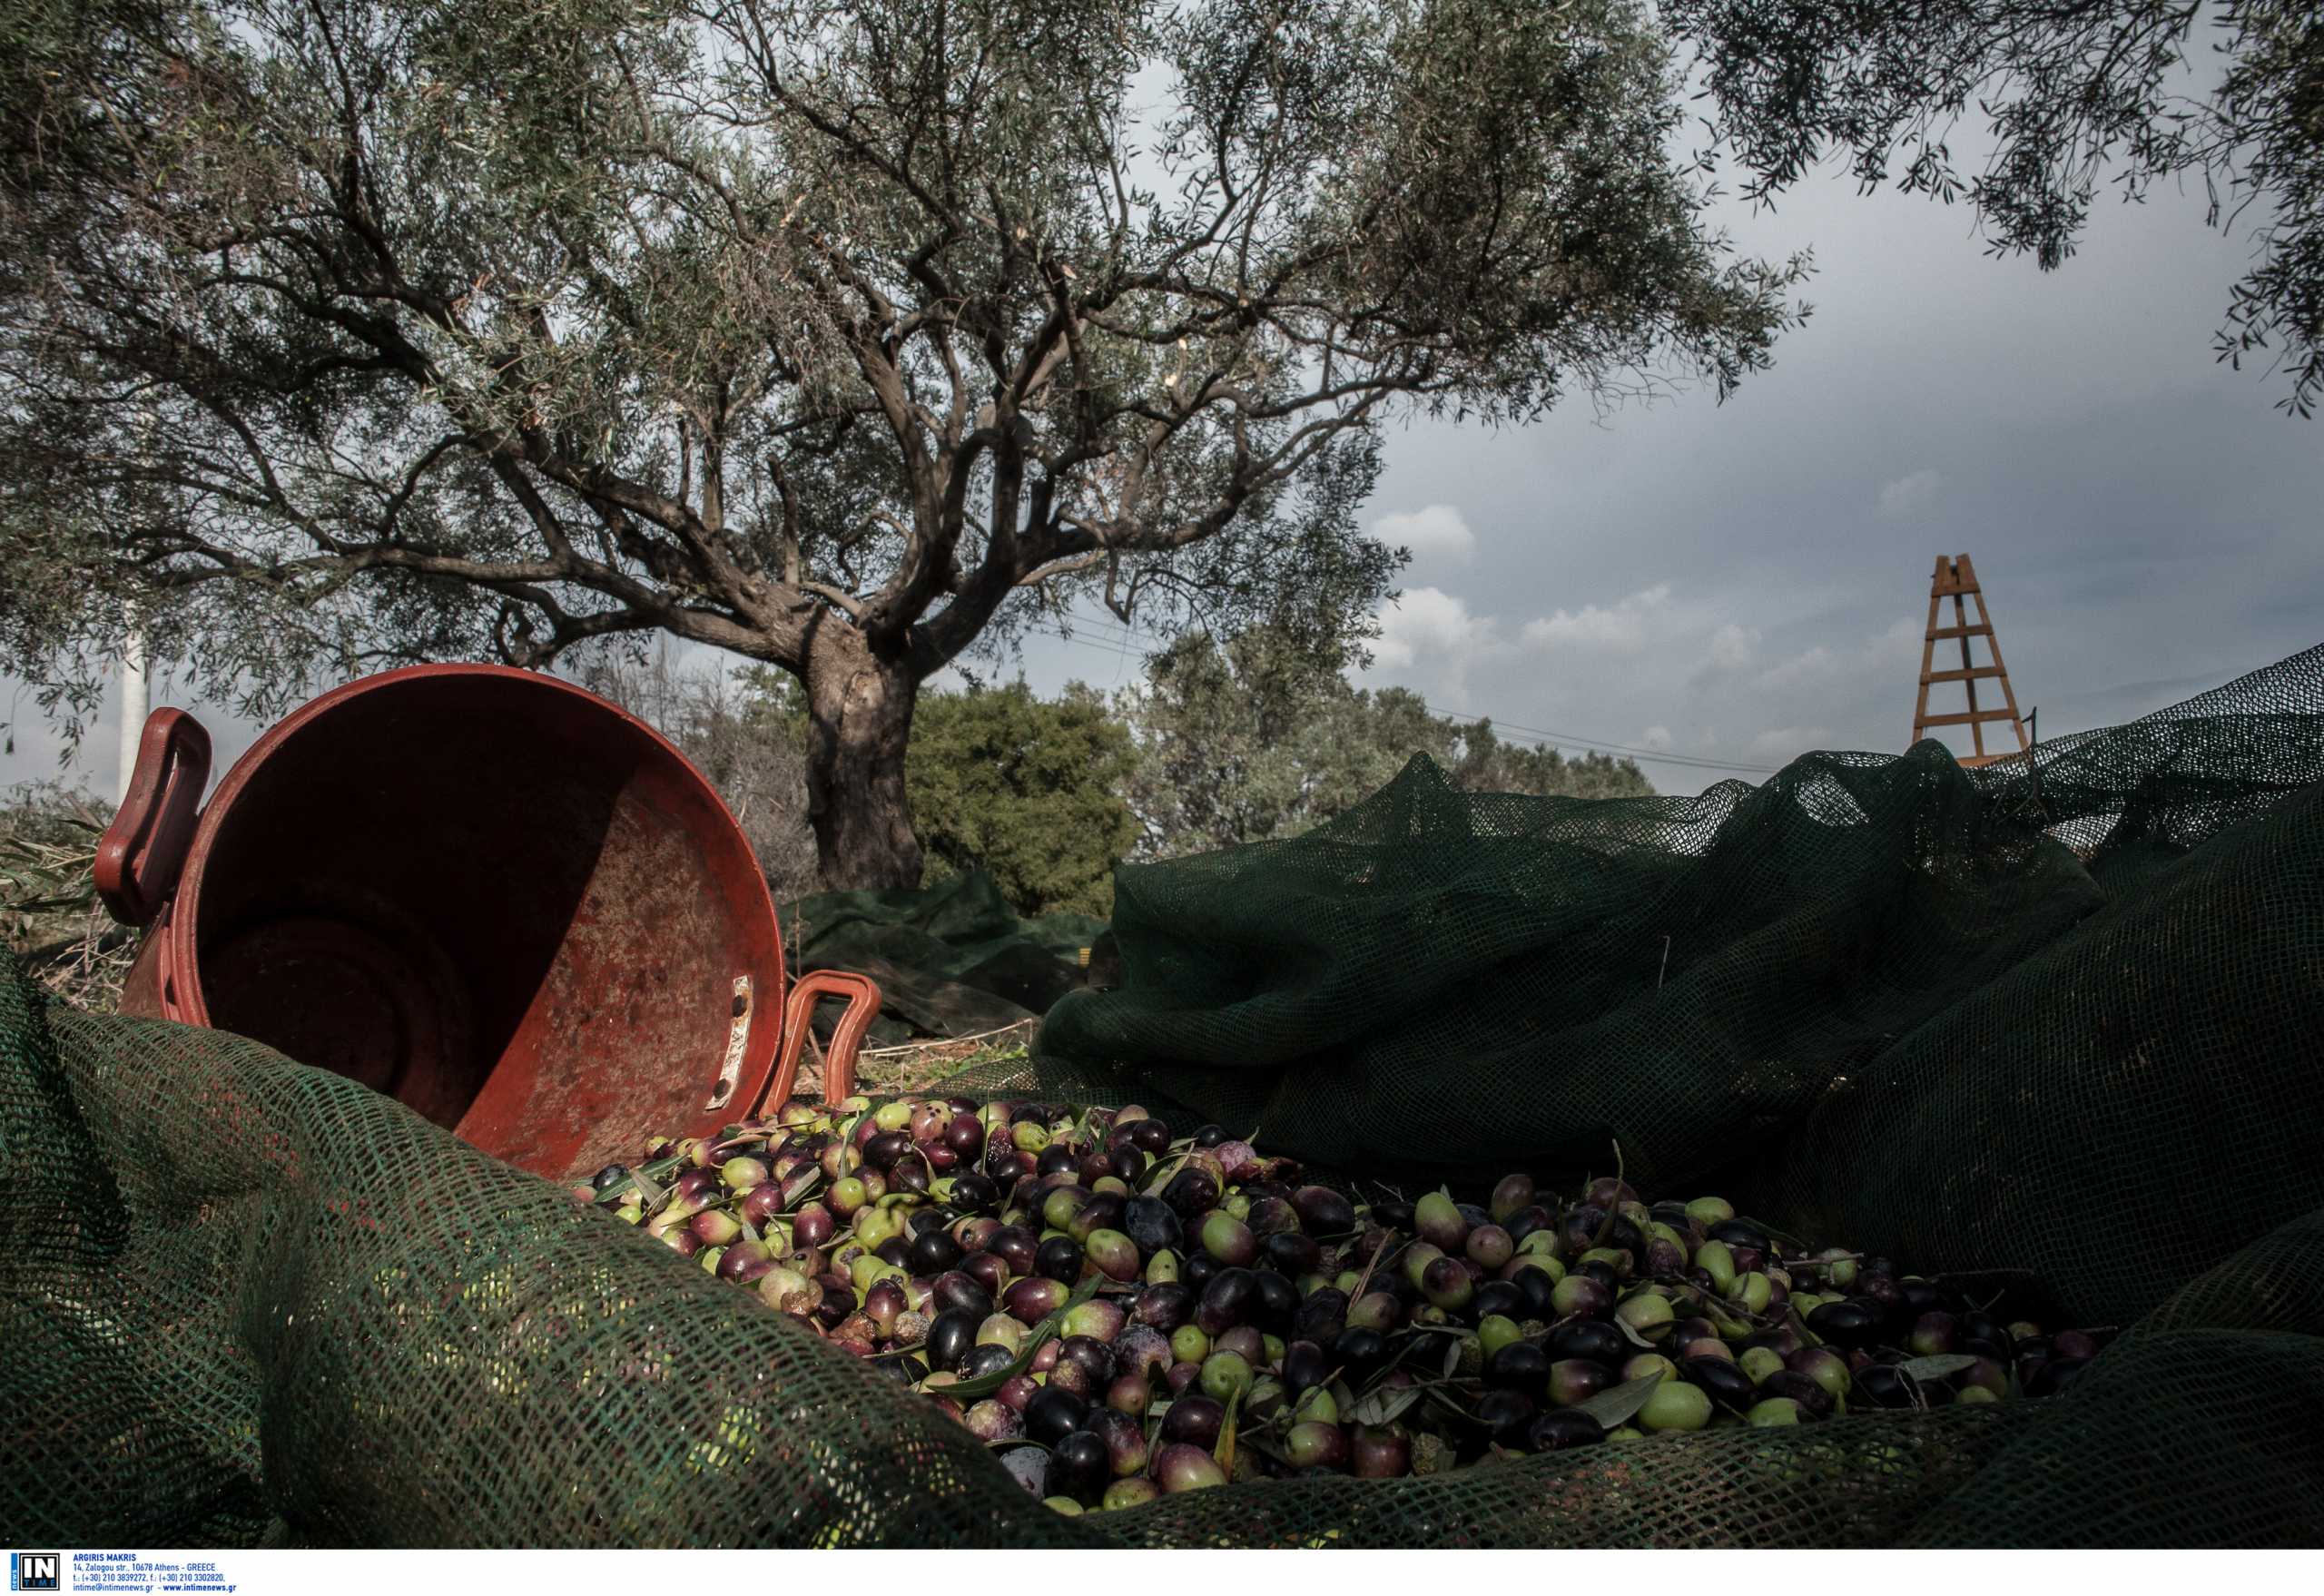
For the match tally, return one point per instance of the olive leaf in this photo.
(1224, 1451)
(1938, 1367)
(649, 1194)
(1617, 1406)
(1451, 1357)
(1633, 1335)
(1383, 1407)
(750, 1231)
(986, 1384)
(1451, 1403)
(1153, 1187)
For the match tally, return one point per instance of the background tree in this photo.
(744, 731)
(1029, 789)
(1255, 738)
(849, 339)
(2073, 96)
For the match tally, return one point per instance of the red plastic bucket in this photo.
(491, 894)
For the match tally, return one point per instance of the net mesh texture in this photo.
(2054, 1020)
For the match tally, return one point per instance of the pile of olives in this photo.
(1121, 1314)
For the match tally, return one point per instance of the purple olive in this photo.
(1489, 1247)
(1243, 1341)
(1054, 1414)
(1017, 1392)
(883, 1305)
(1814, 1402)
(1142, 1350)
(1094, 1358)
(1563, 1428)
(1131, 1395)
(761, 1204)
(1522, 1365)
(1125, 1440)
(964, 1133)
(987, 1270)
(1515, 1192)
(1278, 1300)
(1447, 1285)
(1103, 1211)
(957, 1288)
(812, 1226)
(1079, 1467)
(1195, 1419)
(1227, 1300)
(1524, 1221)
(1321, 1316)
(1165, 1306)
(1228, 1239)
(1059, 1258)
(1016, 1246)
(1114, 1254)
(1033, 1299)
(1183, 1467)
(1582, 1297)
(1322, 1211)
(991, 1420)
(1191, 1194)
(1824, 1367)
(1314, 1445)
(1100, 1319)
(931, 1253)
(1576, 1380)
(1934, 1335)
(1381, 1454)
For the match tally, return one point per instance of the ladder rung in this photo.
(1971, 674)
(1975, 715)
(1972, 761)
(1977, 631)
(1954, 590)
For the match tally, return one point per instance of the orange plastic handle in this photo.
(862, 995)
(144, 849)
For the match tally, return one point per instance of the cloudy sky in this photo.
(1741, 583)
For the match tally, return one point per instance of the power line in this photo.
(1121, 635)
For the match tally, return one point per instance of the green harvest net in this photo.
(2059, 1016)
(952, 960)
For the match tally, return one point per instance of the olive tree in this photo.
(849, 338)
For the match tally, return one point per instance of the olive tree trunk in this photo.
(858, 721)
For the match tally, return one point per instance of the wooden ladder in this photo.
(1956, 579)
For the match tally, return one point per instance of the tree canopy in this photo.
(2075, 98)
(851, 339)
(1249, 740)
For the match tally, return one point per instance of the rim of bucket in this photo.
(183, 975)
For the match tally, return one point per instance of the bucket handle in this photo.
(144, 849)
(862, 995)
